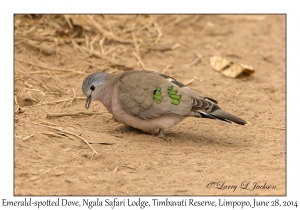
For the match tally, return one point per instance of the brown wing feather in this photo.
(136, 96)
(136, 90)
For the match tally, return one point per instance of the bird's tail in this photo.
(222, 115)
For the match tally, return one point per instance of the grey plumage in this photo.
(149, 100)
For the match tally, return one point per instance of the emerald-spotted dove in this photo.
(149, 100)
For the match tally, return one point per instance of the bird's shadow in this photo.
(202, 139)
(179, 137)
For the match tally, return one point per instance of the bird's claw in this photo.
(161, 135)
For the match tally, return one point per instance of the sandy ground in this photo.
(205, 157)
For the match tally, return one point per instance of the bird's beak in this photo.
(88, 101)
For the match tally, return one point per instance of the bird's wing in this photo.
(147, 95)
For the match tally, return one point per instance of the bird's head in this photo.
(91, 85)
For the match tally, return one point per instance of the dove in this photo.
(148, 100)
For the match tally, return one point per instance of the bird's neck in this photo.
(109, 93)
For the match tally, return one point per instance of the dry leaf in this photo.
(229, 68)
(219, 63)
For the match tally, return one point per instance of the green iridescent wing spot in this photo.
(157, 91)
(157, 95)
(172, 92)
(178, 97)
(159, 98)
(175, 99)
(156, 101)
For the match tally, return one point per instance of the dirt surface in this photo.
(205, 157)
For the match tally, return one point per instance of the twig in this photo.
(18, 106)
(34, 173)
(189, 81)
(135, 44)
(49, 123)
(73, 99)
(159, 32)
(194, 61)
(27, 84)
(45, 122)
(68, 21)
(108, 35)
(74, 153)
(139, 60)
(93, 41)
(49, 115)
(99, 55)
(103, 143)
(52, 134)
(137, 53)
(107, 23)
(54, 78)
(46, 67)
(36, 177)
(70, 137)
(116, 169)
(101, 45)
(128, 167)
(24, 138)
(41, 48)
(166, 69)
(40, 82)
(55, 102)
(87, 41)
(37, 90)
(82, 72)
(76, 46)
(71, 133)
(27, 137)
(111, 50)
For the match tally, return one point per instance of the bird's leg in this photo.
(161, 135)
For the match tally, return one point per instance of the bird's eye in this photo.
(92, 87)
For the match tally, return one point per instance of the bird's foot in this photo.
(161, 135)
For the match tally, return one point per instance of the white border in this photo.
(154, 6)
